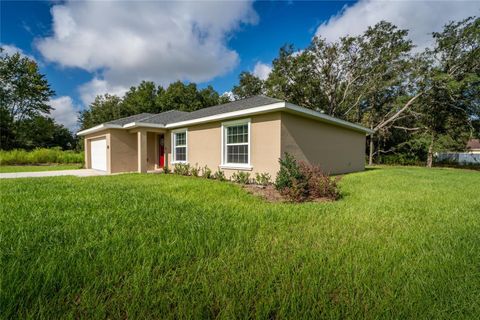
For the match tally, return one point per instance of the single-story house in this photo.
(248, 135)
(473, 146)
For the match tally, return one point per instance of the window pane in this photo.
(180, 139)
(237, 134)
(237, 154)
(180, 154)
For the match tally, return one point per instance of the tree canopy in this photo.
(24, 108)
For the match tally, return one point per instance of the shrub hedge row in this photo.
(40, 156)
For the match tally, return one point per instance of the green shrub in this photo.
(40, 156)
(289, 171)
(207, 172)
(219, 175)
(241, 177)
(319, 184)
(182, 169)
(263, 179)
(300, 181)
(195, 171)
(166, 169)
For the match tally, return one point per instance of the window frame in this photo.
(174, 145)
(224, 163)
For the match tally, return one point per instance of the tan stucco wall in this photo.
(334, 149)
(205, 145)
(123, 151)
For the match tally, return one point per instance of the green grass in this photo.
(53, 167)
(402, 243)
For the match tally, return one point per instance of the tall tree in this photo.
(142, 98)
(249, 85)
(24, 108)
(105, 108)
(451, 85)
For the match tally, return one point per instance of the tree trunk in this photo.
(430, 153)
(370, 156)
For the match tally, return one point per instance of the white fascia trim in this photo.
(234, 114)
(143, 125)
(100, 127)
(327, 118)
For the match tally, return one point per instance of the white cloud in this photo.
(88, 91)
(64, 112)
(229, 94)
(262, 70)
(11, 50)
(420, 17)
(124, 42)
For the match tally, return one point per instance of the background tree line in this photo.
(150, 98)
(415, 102)
(24, 111)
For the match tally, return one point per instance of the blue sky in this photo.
(87, 48)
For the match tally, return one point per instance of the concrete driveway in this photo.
(39, 174)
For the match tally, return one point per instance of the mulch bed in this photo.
(270, 194)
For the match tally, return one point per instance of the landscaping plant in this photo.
(207, 172)
(195, 171)
(182, 169)
(241, 177)
(263, 179)
(299, 181)
(219, 175)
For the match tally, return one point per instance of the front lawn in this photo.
(401, 243)
(53, 167)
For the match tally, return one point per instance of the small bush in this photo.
(219, 175)
(241, 177)
(289, 171)
(319, 184)
(182, 169)
(40, 156)
(195, 171)
(166, 170)
(300, 181)
(207, 173)
(263, 179)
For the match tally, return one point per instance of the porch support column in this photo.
(142, 151)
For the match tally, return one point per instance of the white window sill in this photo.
(236, 167)
(179, 162)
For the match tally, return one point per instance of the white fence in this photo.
(460, 158)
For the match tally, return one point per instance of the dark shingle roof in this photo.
(173, 116)
(248, 103)
(165, 117)
(138, 117)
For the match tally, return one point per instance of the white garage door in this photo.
(99, 154)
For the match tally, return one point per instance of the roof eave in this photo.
(234, 114)
(132, 125)
(326, 118)
(100, 127)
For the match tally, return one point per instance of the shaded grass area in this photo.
(401, 243)
(51, 167)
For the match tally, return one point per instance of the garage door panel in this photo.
(98, 151)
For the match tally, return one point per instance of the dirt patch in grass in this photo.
(270, 194)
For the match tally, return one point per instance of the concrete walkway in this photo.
(38, 174)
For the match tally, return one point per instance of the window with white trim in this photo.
(179, 142)
(236, 143)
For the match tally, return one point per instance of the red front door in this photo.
(161, 152)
